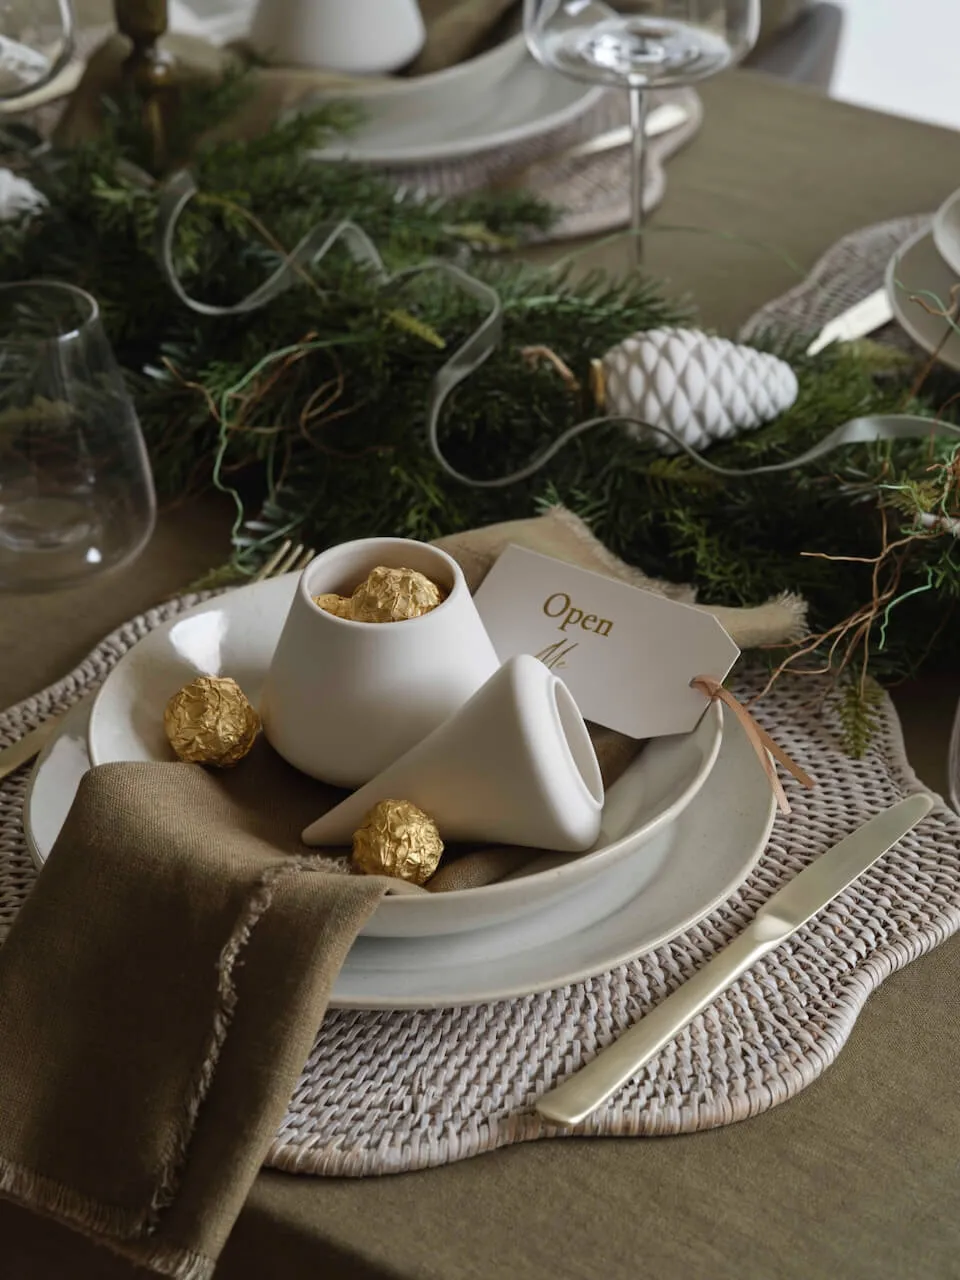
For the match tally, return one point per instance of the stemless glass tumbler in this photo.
(76, 494)
(639, 45)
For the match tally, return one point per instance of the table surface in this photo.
(858, 1176)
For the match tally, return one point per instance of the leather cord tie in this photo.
(759, 739)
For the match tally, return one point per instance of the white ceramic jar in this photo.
(359, 37)
(344, 699)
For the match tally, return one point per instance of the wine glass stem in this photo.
(638, 169)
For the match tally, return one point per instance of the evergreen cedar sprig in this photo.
(326, 441)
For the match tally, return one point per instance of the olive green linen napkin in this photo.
(159, 994)
(458, 29)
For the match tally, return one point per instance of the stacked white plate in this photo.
(681, 830)
(927, 271)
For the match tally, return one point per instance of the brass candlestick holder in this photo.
(149, 71)
(130, 66)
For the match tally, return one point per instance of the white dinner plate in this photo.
(236, 634)
(526, 104)
(946, 232)
(681, 875)
(919, 269)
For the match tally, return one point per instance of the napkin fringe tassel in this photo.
(165, 1260)
(255, 907)
(71, 1207)
(119, 1230)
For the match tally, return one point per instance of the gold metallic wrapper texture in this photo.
(210, 721)
(330, 602)
(394, 595)
(397, 839)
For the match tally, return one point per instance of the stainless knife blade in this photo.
(872, 312)
(788, 909)
(661, 120)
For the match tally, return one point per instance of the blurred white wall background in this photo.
(902, 56)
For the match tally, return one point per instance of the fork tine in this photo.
(267, 570)
(305, 559)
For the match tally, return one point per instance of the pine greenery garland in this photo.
(326, 441)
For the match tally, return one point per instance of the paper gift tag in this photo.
(627, 655)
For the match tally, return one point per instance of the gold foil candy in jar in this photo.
(397, 839)
(330, 602)
(210, 721)
(394, 595)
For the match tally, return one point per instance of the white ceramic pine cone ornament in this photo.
(703, 388)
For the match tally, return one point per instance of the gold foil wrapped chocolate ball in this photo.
(394, 595)
(397, 839)
(210, 721)
(330, 602)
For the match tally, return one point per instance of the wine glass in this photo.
(36, 42)
(640, 45)
(76, 494)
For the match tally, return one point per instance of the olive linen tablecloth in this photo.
(859, 1176)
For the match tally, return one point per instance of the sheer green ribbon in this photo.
(483, 341)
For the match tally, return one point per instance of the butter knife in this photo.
(661, 120)
(30, 745)
(815, 886)
(873, 312)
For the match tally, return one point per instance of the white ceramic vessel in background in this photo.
(946, 232)
(919, 269)
(236, 634)
(342, 700)
(362, 37)
(634, 894)
(515, 765)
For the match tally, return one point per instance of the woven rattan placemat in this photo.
(385, 1092)
(593, 193)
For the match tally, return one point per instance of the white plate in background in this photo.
(946, 232)
(919, 269)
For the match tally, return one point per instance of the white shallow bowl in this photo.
(236, 635)
(449, 124)
(685, 871)
(946, 232)
(919, 269)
